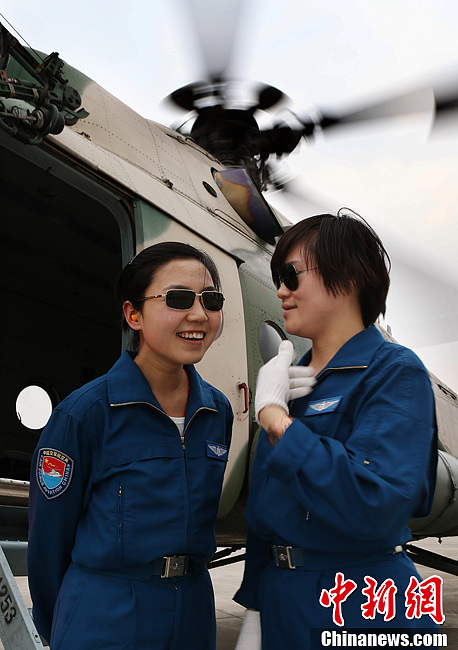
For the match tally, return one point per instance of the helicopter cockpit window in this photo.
(270, 337)
(34, 406)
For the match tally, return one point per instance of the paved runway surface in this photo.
(226, 581)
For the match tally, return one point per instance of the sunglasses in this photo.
(184, 299)
(287, 275)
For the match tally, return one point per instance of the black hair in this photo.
(347, 252)
(137, 275)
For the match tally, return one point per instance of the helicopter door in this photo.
(225, 363)
(61, 251)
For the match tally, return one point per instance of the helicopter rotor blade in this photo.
(215, 26)
(185, 97)
(414, 102)
(446, 104)
(268, 96)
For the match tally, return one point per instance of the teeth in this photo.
(191, 335)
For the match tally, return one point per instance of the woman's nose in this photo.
(283, 291)
(197, 311)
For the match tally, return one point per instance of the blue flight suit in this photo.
(114, 488)
(357, 463)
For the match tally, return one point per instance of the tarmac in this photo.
(226, 581)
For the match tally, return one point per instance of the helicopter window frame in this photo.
(29, 408)
(269, 334)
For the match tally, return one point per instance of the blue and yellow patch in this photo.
(216, 450)
(54, 472)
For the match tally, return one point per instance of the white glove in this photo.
(301, 381)
(250, 632)
(272, 386)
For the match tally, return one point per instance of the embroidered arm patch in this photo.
(54, 472)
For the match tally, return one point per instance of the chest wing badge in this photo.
(323, 406)
(214, 450)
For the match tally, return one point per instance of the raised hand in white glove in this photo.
(272, 386)
(301, 381)
(250, 632)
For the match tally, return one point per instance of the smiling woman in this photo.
(342, 468)
(173, 327)
(127, 472)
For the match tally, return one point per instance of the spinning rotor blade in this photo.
(446, 104)
(215, 25)
(446, 93)
(417, 101)
(283, 138)
(268, 96)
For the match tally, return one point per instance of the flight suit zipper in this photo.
(182, 437)
(119, 521)
(202, 408)
(325, 370)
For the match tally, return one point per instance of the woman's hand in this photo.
(275, 421)
(278, 383)
(272, 386)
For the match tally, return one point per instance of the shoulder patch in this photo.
(54, 472)
(215, 450)
(326, 405)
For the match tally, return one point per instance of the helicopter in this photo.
(91, 183)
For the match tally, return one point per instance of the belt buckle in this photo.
(283, 557)
(175, 566)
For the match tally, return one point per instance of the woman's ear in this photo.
(131, 315)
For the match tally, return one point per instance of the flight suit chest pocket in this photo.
(327, 417)
(207, 463)
(126, 456)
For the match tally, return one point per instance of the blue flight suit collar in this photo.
(127, 384)
(356, 352)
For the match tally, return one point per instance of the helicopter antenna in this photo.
(20, 36)
(54, 103)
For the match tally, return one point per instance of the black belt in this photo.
(289, 557)
(169, 566)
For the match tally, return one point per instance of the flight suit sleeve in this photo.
(382, 475)
(257, 558)
(257, 549)
(54, 512)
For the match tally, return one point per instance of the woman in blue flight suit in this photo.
(127, 476)
(338, 476)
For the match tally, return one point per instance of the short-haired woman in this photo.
(339, 472)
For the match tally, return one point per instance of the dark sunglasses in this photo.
(184, 299)
(287, 275)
